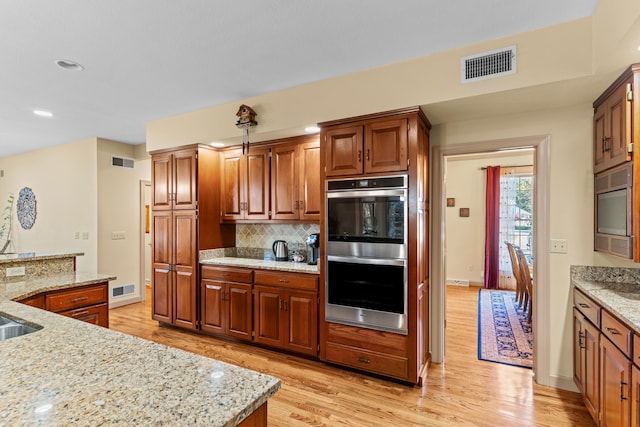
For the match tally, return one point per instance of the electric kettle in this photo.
(280, 250)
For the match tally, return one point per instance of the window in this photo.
(516, 217)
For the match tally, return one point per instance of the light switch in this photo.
(559, 246)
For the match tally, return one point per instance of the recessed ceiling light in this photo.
(43, 113)
(312, 129)
(217, 144)
(69, 65)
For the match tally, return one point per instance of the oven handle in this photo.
(367, 193)
(375, 261)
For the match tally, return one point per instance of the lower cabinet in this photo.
(286, 311)
(86, 303)
(603, 369)
(227, 301)
(615, 377)
(272, 308)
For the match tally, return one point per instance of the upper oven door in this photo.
(367, 217)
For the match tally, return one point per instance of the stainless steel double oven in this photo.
(366, 252)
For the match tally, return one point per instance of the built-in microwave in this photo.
(613, 209)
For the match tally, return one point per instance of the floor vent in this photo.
(122, 162)
(123, 290)
(488, 65)
(457, 282)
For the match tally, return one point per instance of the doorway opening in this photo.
(465, 230)
(540, 147)
(146, 238)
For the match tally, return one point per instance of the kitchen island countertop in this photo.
(71, 372)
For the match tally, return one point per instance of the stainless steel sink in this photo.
(11, 327)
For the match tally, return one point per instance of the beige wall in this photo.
(63, 179)
(571, 203)
(465, 181)
(119, 199)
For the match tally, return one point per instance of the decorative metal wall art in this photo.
(26, 208)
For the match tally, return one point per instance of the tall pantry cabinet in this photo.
(185, 219)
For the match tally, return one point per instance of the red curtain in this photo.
(492, 229)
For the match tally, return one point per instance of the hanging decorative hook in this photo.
(246, 119)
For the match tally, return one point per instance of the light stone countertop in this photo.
(75, 373)
(295, 267)
(620, 299)
(35, 256)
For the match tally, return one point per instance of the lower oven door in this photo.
(367, 292)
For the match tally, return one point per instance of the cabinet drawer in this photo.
(368, 360)
(76, 298)
(308, 282)
(241, 275)
(95, 314)
(617, 332)
(590, 309)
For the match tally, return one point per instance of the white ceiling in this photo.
(149, 59)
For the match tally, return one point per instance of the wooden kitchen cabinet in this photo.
(295, 179)
(174, 180)
(227, 301)
(374, 146)
(286, 311)
(185, 219)
(245, 184)
(36, 301)
(615, 380)
(635, 396)
(175, 261)
(612, 125)
(86, 303)
(389, 143)
(586, 357)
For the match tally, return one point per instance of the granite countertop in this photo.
(620, 299)
(295, 267)
(35, 256)
(26, 288)
(71, 372)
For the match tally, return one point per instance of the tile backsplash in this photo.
(263, 235)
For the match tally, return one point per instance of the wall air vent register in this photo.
(488, 65)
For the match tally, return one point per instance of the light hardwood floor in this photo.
(461, 391)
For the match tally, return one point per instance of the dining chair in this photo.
(515, 267)
(528, 281)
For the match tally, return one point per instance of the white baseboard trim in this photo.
(564, 383)
(125, 301)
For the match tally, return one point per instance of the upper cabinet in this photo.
(245, 184)
(295, 180)
(612, 123)
(371, 147)
(616, 127)
(277, 180)
(174, 180)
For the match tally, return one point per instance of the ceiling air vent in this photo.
(488, 65)
(122, 162)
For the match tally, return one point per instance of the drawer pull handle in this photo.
(583, 305)
(225, 274)
(613, 331)
(80, 313)
(622, 384)
(283, 281)
(363, 360)
(214, 288)
(79, 299)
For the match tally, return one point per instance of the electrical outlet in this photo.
(559, 246)
(15, 271)
(118, 235)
